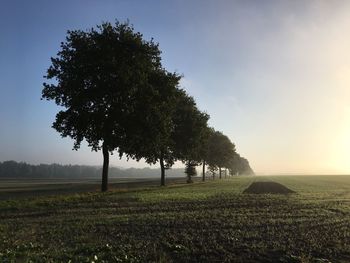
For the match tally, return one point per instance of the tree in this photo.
(190, 132)
(169, 128)
(239, 165)
(97, 77)
(220, 151)
(190, 171)
(151, 138)
(203, 150)
(213, 170)
(188, 124)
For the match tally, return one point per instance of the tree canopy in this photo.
(171, 126)
(99, 75)
(220, 150)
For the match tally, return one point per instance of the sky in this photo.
(273, 75)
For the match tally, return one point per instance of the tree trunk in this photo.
(162, 170)
(225, 172)
(105, 152)
(203, 178)
(220, 172)
(189, 179)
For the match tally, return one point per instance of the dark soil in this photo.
(267, 188)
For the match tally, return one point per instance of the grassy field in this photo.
(202, 222)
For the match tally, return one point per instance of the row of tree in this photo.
(22, 170)
(218, 152)
(116, 95)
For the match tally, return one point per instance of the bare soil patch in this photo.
(267, 188)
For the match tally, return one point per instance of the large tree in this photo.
(97, 77)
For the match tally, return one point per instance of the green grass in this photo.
(201, 222)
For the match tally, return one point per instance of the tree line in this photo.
(116, 95)
(22, 170)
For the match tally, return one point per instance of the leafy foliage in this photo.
(189, 129)
(221, 150)
(239, 165)
(152, 124)
(171, 125)
(99, 74)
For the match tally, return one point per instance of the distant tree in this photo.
(213, 170)
(245, 167)
(220, 151)
(12, 169)
(190, 171)
(99, 77)
(239, 165)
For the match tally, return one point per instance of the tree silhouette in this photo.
(167, 129)
(220, 151)
(239, 165)
(203, 150)
(98, 77)
(213, 170)
(190, 170)
(151, 138)
(190, 132)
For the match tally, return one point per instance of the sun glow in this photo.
(340, 158)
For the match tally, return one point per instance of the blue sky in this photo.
(273, 75)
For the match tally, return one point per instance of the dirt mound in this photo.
(267, 188)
